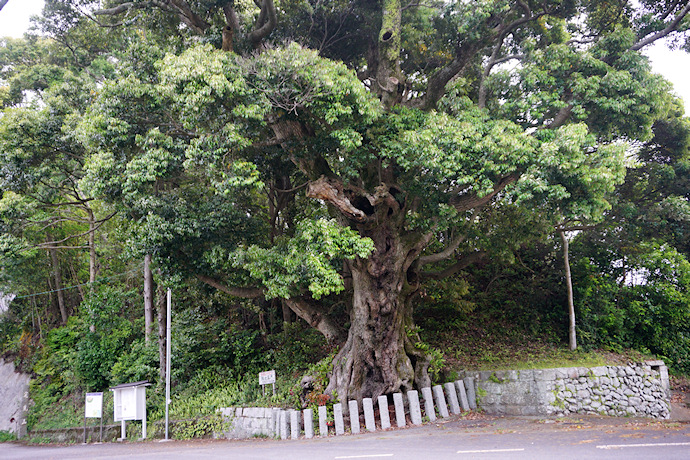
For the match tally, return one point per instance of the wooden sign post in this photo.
(267, 378)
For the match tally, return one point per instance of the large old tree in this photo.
(386, 149)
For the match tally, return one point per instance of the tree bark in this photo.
(380, 355)
(148, 298)
(315, 318)
(57, 276)
(388, 75)
(572, 337)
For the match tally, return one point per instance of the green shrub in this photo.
(649, 315)
(6, 436)
(140, 363)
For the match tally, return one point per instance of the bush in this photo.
(107, 336)
(6, 436)
(650, 313)
(140, 363)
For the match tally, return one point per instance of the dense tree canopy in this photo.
(327, 153)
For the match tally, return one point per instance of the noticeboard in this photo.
(94, 405)
(129, 401)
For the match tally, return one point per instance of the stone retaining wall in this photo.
(633, 390)
(14, 398)
(76, 435)
(247, 422)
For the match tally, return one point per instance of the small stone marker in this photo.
(368, 407)
(275, 422)
(415, 410)
(384, 414)
(308, 423)
(471, 396)
(440, 401)
(399, 409)
(283, 424)
(338, 415)
(294, 424)
(452, 397)
(460, 385)
(354, 416)
(323, 424)
(428, 404)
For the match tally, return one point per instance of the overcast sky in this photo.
(674, 65)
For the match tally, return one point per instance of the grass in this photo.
(6, 436)
(476, 348)
(68, 412)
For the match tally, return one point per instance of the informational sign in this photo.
(267, 377)
(94, 405)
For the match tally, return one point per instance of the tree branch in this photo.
(51, 244)
(331, 191)
(662, 33)
(572, 228)
(245, 293)
(316, 318)
(461, 264)
(180, 7)
(267, 21)
(443, 255)
(472, 201)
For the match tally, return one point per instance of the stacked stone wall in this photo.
(247, 422)
(632, 390)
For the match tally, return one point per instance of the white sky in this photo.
(674, 65)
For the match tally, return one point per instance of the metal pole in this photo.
(167, 362)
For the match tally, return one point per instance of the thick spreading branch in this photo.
(316, 318)
(447, 253)
(267, 21)
(331, 191)
(245, 293)
(473, 201)
(461, 264)
(495, 58)
(388, 75)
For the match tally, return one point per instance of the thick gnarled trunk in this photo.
(380, 356)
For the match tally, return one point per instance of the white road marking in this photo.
(488, 451)
(657, 444)
(367, 456)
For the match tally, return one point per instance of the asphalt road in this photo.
(490, 438)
